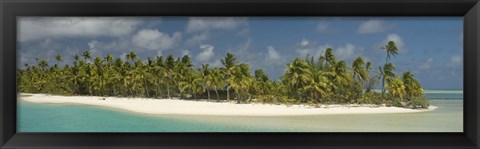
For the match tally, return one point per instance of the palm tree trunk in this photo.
(208, 92)
(383, 90)
(168, 91)
(238, 96)
(218, 97)
(311, 95)
(228, 94)
(146, 86)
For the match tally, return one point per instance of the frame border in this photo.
(10, 9)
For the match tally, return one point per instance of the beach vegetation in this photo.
(309, 80)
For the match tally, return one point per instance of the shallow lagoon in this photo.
(40, 117)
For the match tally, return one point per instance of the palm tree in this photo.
(169, 73)
(396, 88)
(386, 73)
(413, 88)
(131, 56)
(206, 78)
(262, 81)
(329, 57)
(359, 71)
(391, 49)
(109, 59)
(86, 55)
(229, 63)
(342, 81)
(366, 85)
(319, 86)
(297, 74)
(59, 58)
(217, 80)
(303, 80)
(100, 78)
(240, 80)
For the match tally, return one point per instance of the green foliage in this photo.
(419, 102)
(305, 81)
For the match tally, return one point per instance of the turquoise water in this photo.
(40, 117)
(444, 94)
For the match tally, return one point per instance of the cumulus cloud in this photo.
(272, 53)
(427, 64)
(244, 32)
(33, 28)
(398, 41)
(93, 48)
(312, 50)
(245, 55)
(217, 63)
(206, 54)
(322, 27)
(304, 43)
(92, 44)
(346, 52)
(46, 50)
(208, 23)
(455, 61)
(373, 26)
(197, 39)
(154, 40)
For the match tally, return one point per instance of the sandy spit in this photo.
(185, 107)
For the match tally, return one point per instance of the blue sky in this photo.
(431, 48)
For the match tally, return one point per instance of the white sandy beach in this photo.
(184, 107)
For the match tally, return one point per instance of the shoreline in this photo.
(186, 107)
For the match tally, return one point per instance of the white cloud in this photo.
(241, 49)
(46, 50)
(272, 53)
(197, 39)
(312, 51)
(154, 40)
(398, 41)
(455, 61)
(346, 52)
(304, 43)
(206, 54)
(244, 32)
(373, 26)
(93, 48)
(217, 63)
(32, 28)
(427, 64)
(92, 44)
(245, 55)
(208, 23)
(322, 27)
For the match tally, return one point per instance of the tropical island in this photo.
(310, 85)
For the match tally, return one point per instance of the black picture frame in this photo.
(11, 9)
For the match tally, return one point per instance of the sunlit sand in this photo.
(188, 107)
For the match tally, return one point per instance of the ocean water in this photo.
(41, 117)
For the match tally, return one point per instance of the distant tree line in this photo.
(324, 80)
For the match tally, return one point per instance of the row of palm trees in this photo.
(306, 80)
